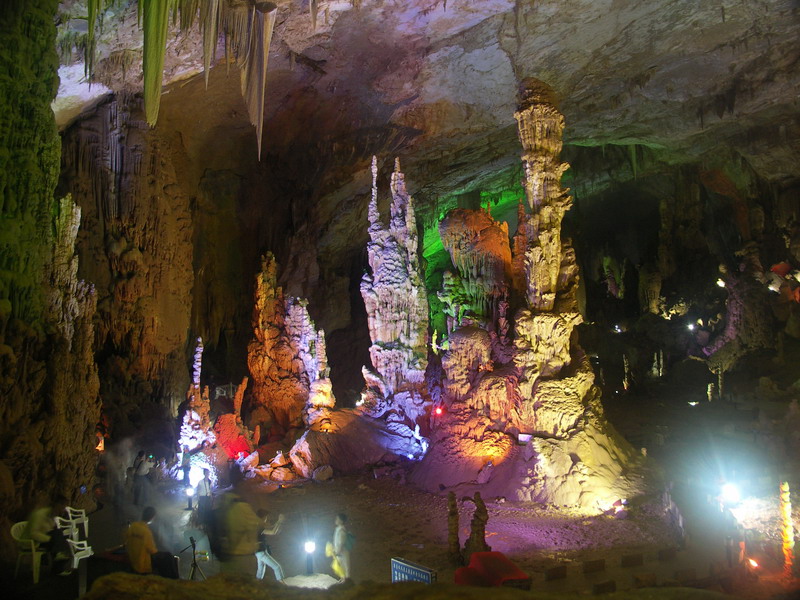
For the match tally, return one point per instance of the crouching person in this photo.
(142, 552)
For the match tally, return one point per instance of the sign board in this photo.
(404, 570)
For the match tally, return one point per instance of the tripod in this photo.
(195, 567)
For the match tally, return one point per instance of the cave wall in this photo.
(48, 380)
(136, 246)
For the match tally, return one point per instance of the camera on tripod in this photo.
(202, 555)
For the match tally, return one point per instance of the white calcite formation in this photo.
(397, 307)
(524, 420)
(196, 431)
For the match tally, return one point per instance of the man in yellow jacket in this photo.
(139, 543)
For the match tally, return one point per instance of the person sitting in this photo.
(143, 554)
(264, 555)
(139, 543)
(42, 528)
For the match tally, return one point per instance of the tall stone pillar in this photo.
(540, 129)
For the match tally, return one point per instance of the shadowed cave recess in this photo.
(502, 247)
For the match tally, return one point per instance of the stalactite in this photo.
(209, 22)
(479, 249)
(155, 20)
(313, 8)
(254, 64)
(92, 8)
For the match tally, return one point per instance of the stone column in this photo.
(540, 130)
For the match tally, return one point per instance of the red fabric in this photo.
(495, 568)
(469, 576)
(781, 268)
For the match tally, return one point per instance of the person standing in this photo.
(264, 554)
(204, 496)
(138, 460)
(240, 542)
(341, 547)
(186, 464)
(140, 480)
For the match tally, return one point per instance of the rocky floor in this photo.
(391, 519)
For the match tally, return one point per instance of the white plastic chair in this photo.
(27, 547)
(79, 551)
(70, 528)
(78, 515)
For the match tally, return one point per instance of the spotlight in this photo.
(189, 494)
(693, 403)
(438, 410)
(309, 547)
(690, 327)
(752, 563)
(720, 283)
(730, 493)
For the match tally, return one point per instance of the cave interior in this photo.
(544, 251)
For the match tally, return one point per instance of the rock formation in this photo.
(479, 249)
(574, 457)
(196, 429)
(541, 389)
(135, 247)
(286, 359)
(48, 379)
(397, 307)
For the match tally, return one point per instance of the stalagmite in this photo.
(542, 386)
(286, 358)
(397, 305)
(476, 542)
(540, 131)
(196, 429)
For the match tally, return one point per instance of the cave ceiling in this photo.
(683, 76)
(435, 82)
